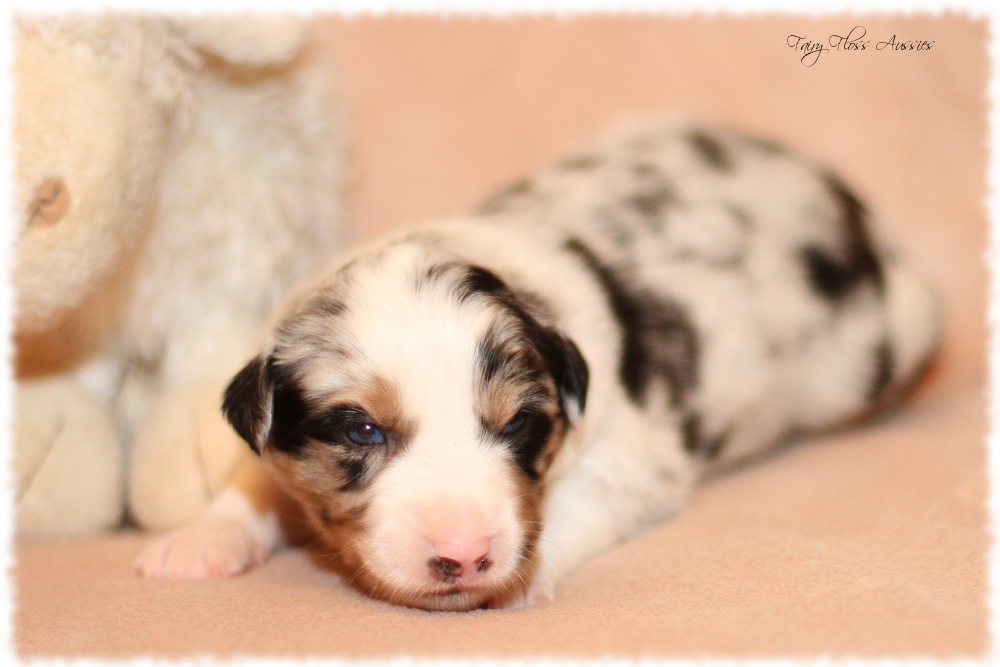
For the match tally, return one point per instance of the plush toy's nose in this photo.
(460, 555)
(50, 204)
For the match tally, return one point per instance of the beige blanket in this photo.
(870, 542)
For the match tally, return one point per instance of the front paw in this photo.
(207, 548)
(538, 593)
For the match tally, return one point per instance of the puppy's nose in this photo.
(459, 556)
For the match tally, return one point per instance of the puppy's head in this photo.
(413, 406)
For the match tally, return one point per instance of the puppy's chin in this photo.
(452, 598)
(485, 592)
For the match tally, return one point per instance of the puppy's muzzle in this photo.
(459, 542)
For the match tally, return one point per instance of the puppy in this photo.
(466, 412)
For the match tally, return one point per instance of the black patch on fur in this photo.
(579, 162)
(479, 281)
(328, 305)
(650, 204)
(743, 219)
(354, 470)
(534, 302)
(645, 169)
(567, 366)
(288, 413)
(528, 445)
(691, 433)
(884, 362)
(616, 229)
(765, 146)
(330, 427)
(695, 442)
(714, 447)
(711, 151)
(560, 355)
(491, 358)
(246, 403)
(506, 197)
(836, 277)
(435, 272)
(658, 339)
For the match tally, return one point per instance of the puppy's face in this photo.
(413, 406)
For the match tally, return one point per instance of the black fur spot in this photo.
(742, 218)
(478, 280)
(434, 273)
(567, 366)
(560, 355)
(836, 277)
(645, 169)
(765, 146)
(579, 162)
(695, 442)
(506, 197)
(882, 377)
(353, 461)
(691, 433)
(288, 414)
(330, 426)
(354, 470)
(246, 403)
(615, 228)
(658, 340)
(528, 445)
(711, 151)
(328, 305)
(491, 358)
(650, 204)
(714, 447)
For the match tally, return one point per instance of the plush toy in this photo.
(173, 177)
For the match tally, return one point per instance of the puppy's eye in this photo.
(516, 424)
(365, 433)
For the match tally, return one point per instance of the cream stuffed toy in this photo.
(173, 177)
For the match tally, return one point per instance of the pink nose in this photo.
(458, 556)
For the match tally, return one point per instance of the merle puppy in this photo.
(466, 412)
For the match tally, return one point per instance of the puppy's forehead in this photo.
(408, 314)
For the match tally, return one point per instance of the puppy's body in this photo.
(466, 412)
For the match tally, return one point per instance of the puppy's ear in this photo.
(570, 372)
(248, 400)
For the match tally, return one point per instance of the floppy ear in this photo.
(570, 372)
(247, 403)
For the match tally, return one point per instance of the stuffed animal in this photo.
(173, 177)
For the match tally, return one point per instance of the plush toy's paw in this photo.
(206, 548)
(68, 465)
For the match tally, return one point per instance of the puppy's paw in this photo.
(207, 548)
(538, 593)
(231, 537)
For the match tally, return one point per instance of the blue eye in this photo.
(365, 433)
(515, 424)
